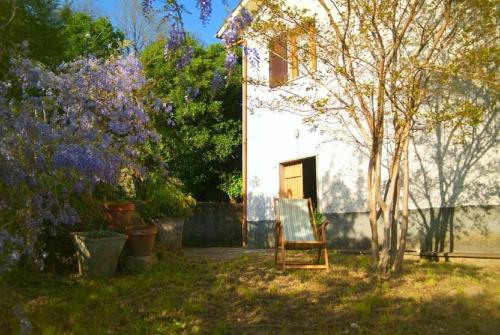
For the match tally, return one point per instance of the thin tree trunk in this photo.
(394, 226)
(388, 213)
(372, 202)
(398, 263)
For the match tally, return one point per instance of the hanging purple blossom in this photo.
(252, 56)
(218, 80)
(205, 7)
(235, 26)
(186, 57)
(192, 92)
(175, 39)
(147, 6)
(231, 61)
(246, 16)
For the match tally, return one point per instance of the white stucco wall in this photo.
(341, 165)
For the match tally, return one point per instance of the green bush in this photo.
(164, 198)
(233, 186)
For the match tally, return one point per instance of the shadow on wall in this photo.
(260, 221)
(457, 174)
(348, 229)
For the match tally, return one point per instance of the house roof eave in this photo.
(251, 5)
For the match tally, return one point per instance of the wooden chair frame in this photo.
(282, 245)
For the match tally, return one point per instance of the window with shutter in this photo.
(278, 62)
(302, 51)
(292, 55)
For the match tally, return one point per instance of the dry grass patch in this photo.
(248, 295)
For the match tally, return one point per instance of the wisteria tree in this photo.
(174, 11)
(61, 134)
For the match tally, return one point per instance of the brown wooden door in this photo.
(292, 181)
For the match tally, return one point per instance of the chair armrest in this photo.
(277, 228)
(321, 229)
(325, 223)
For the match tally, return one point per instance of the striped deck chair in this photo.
(296, 229)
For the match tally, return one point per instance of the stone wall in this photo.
(213, 225)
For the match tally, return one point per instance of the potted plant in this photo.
(167, 207)
(119, 214)
(141, 237)
(98, 251)
(117, 206)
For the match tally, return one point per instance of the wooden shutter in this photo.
(278, 64)
(294, 57)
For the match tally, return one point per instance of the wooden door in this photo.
(292, 181)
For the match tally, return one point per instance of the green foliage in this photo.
(50, 34)
(164, 199)
(232, 185)
(319, 217)
(84, 35)
(205, 141)
(36, 23)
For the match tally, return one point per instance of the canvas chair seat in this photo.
(296, 230)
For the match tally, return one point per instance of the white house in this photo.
(455, 186)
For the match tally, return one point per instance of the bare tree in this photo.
(141, 28)
(84, 6)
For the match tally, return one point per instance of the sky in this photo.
(191, 21)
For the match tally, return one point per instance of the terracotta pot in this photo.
(119, 215)
(170, 233)
(98, 253)
(141, 239)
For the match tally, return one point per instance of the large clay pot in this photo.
(98, 252)
(170, 233)
(119, 215)
(141, 239)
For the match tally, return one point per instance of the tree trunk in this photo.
(398, 263)
(385, 255)
(372, 202)
(394, 226)
(388, 213)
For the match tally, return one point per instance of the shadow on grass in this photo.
(248, 296)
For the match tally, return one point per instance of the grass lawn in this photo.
(248, 296)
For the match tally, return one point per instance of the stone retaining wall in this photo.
(213, 225)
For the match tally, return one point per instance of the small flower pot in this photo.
(119, 215)
(98, 252)
(170, 233)
(141, 239)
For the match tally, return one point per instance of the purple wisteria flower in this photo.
(147, 5)
(218, 80)
(66, 133)
(205, 7)
(236, 25)
(253, 56)
(175, 39)
(191, 93)
(231, 61)
(186, 57)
